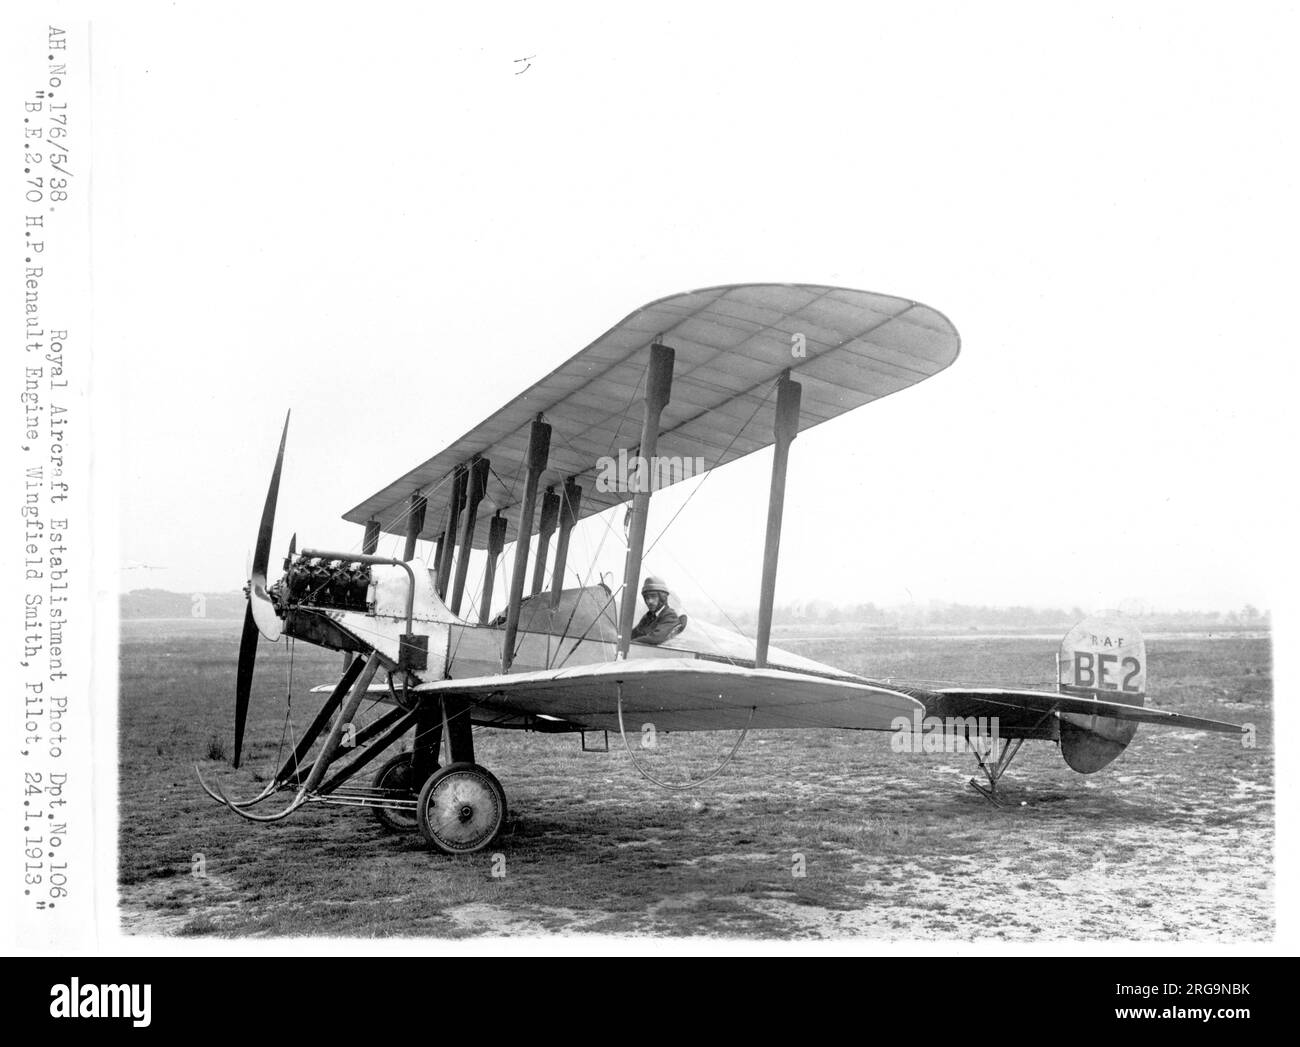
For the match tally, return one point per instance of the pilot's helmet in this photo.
(654, 585)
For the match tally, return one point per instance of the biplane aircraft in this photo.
(717, 374)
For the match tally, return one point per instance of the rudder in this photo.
(1103, 657)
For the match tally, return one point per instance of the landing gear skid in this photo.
(994, 766)
(458, 809)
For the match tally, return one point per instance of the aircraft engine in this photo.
(333, 584)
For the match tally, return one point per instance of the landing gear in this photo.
(395, 779)
(401, 778)
(461, 808)
(994, 766)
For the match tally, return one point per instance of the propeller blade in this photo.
(260, 616)
(268, 622)
(244, 678)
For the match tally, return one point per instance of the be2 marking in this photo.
(1100, 669)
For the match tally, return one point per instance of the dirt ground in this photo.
(806, 835)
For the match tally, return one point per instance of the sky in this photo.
(394, 222)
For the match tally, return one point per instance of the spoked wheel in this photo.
(395, 777)
(461, 808)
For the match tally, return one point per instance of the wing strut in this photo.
(478, 477)
(371, 540)
(414, 524)
(545, 528)
(447, 547)
(570, 502)
(539, 449)
(659, 386)
(786, 427)
(496, 542)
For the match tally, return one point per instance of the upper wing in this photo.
(685, 695)
(1053, 702)
(731, 344)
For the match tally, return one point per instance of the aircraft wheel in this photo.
(396, 775)
(461, 808)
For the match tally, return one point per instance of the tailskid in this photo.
(994, 764)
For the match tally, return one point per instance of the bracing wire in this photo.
(736, 436)
(717, 461)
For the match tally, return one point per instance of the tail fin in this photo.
(1103, 657)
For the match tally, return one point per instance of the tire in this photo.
(396, 774)
(461, 808)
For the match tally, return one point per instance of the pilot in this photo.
(660, 621)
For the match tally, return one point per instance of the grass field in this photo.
(1172, 841)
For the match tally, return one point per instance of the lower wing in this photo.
(685, 695)
(694, 695)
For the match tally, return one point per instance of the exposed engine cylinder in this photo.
(334, 584)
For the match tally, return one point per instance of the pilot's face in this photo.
(654, 601)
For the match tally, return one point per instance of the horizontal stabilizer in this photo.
(1051, 702)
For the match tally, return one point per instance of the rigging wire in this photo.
(717, 461)
(409, 508)
(736, 436)
(288, 709)
(721, 610)
(627, 409)
(592, 565)
(308, 597)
